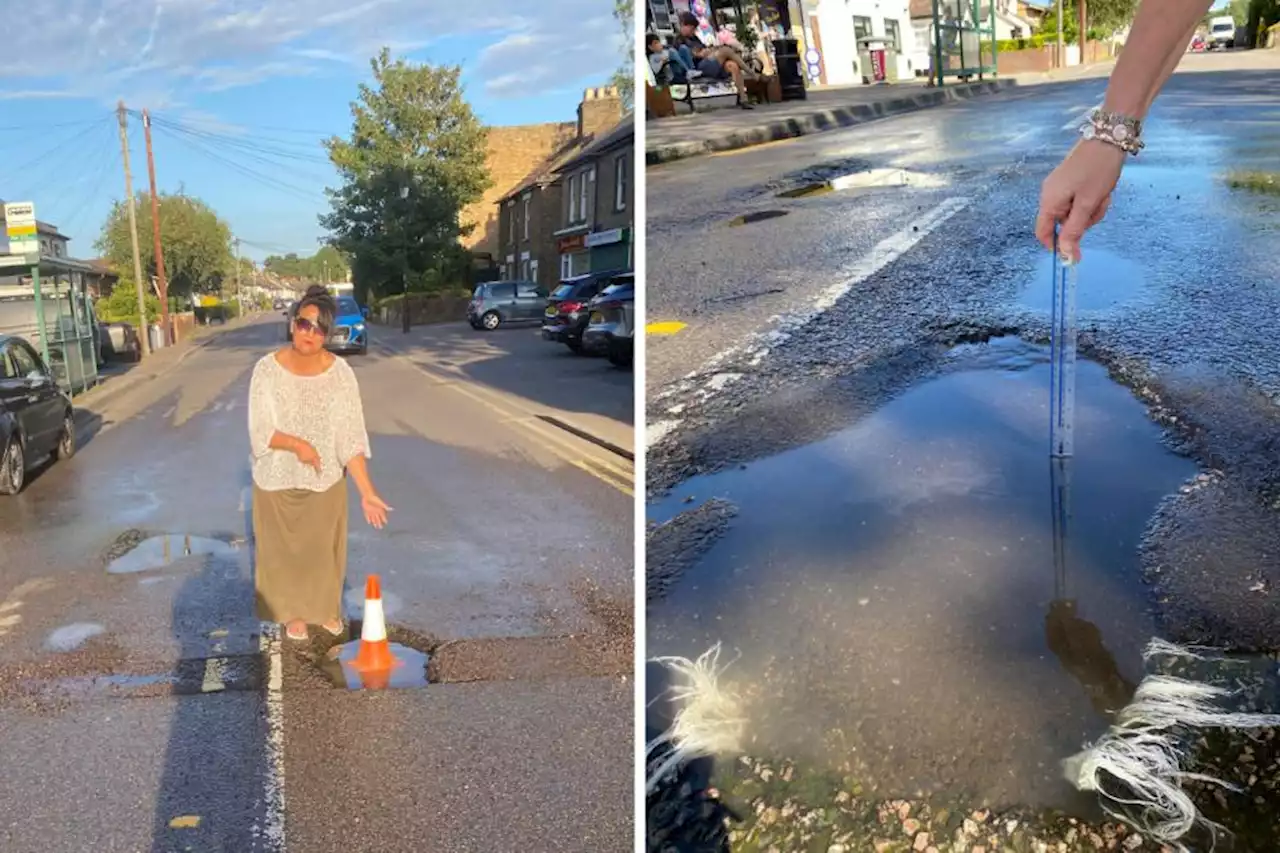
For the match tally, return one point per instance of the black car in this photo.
(496, 302)
(36, 417)
(568, 311)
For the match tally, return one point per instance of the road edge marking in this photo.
(714, 380)
(272, 831)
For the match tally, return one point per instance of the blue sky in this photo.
(243, 90)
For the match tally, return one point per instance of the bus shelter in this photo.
(964, 39)
(46, 301)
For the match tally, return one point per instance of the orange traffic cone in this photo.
(375, 651)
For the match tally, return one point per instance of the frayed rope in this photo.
(1144, 751)
(708, 721)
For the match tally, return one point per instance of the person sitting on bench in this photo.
(669, 64)
(715, 63)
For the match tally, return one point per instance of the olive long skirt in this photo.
(300, 552)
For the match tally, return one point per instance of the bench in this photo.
(660, 101)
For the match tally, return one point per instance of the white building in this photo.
(844, 24)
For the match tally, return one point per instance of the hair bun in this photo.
(316, 290)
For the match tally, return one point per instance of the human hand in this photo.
(1076, 195)
(307, 455)
(375, 510)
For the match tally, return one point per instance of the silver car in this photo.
(611, 327)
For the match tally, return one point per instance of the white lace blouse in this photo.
(324, 410)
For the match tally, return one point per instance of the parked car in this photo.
(496, 302)
(567, 313)
(1198, 44)
(36, 417)
(611, 319)
(349, 333)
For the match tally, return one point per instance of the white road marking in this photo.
(244, 499)
(1082, 118)
(213, 682)
(884, 253)
(271, 831)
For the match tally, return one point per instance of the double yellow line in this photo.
(620, 475)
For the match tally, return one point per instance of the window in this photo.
(527, 198)
(892, 35)
(511, 222)
(533, 276)
(524, 270)
(25, 361)
(861, 28)
(620, 182)
(7, 368)
(502, 290)
(586, 185)
(528, 289)
(573, 200)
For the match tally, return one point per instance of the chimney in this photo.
(600, 110)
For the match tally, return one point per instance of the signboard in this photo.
(20, 227)
(573, 243)
(604, 238)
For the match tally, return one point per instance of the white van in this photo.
(1222, 31)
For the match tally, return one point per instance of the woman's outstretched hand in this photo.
(1077, 193)
(375, 510)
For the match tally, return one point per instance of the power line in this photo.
(101, 151)
(18, 128)
(291, 148)
(49, 152)
(242, 150)
(266, 180)
(112, 162)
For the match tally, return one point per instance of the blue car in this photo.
(350, 332)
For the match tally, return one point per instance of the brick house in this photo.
(597, 211)
(529, 214)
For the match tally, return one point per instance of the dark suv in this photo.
(567, 308)
(496, 302)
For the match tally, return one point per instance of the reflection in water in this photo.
(1076, 642)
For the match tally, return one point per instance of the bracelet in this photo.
(1121, 131)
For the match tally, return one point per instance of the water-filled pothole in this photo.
(1104, 280)
(158, 551)
(757, 216)
(907, 605)
(410, 670)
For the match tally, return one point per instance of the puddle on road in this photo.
(410, 671)
(68, 638)
(909, 569)
(159, 551)
(1104, 280)
(757, 216)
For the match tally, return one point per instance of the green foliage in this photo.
(412, 128)
(197, 244)
(327, 260)
(121, 306)
(1261, 14)
(1106, 17)
(624, 77)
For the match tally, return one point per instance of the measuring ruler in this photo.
(1062, 351)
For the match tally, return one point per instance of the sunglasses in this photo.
(302, 324)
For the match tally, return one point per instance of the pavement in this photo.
(157, 705)
(832, 108)
(860, 384)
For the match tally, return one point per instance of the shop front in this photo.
(610, 250)
(575, 255)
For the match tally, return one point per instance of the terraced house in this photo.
(598, 205)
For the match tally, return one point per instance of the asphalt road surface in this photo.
(878, 556)
(148, 710)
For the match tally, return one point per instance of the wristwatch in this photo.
(1122, 131)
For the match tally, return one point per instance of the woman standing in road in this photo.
(307, 432)
(1076, 195)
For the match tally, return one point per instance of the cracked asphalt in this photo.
(147, 711)
(847, 413)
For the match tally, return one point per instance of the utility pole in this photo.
(239, 298)
(1061, 57)
(145, 332)
(1083, 37)
(155, 233)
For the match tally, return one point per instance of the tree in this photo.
(327, 264)
(197, 244)
(1105, 18)
(415, 159)
(625, 77)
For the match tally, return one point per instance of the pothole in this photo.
(410, 669)
(756, 216)
(869, 179)
(911, 562)
(134, 552)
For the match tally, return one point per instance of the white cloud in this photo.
(107, 49)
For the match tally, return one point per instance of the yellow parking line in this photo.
(607, 472)
(664, 327)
